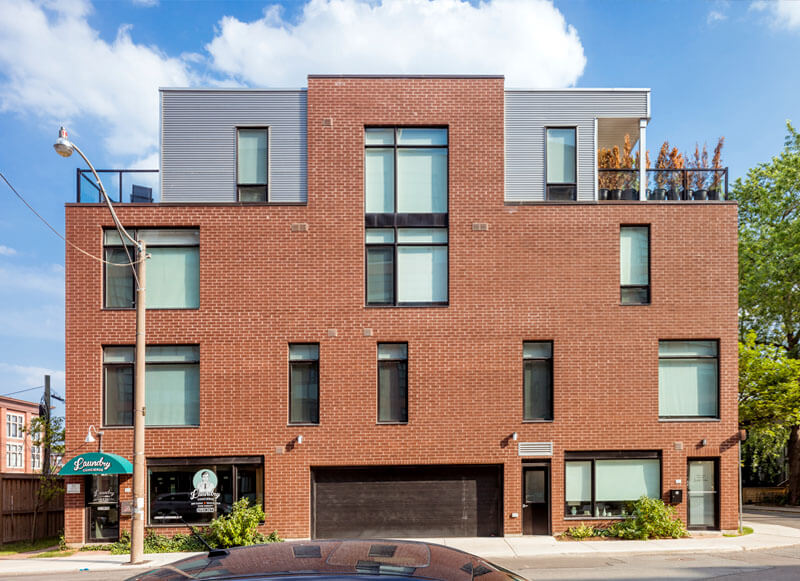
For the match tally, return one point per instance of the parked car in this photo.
(340, 560)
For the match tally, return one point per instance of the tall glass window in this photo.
(688, 379)
(303, 384)
(406, 216)
(607, 486)
(15, 426)
(173, 385)
(634, 265)
(537, 380)
(252, 164)
(561, 163)
(173, 269)
(392, 382)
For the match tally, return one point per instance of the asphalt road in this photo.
(786, 519)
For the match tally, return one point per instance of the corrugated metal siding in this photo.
(198, 143)
(528, 113)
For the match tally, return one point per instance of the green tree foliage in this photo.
(769, 297)
(47, 432)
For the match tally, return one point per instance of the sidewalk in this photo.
(765, 536)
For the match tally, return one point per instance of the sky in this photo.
(715, 67)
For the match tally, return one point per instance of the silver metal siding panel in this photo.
(198, 143)
(528, 113)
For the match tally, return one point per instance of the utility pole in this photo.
(45, 439)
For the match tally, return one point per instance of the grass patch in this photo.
(745, 531)
(26, 546)
(50, 554)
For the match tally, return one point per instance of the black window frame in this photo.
(314, 364)
(646, 287)
(399, 220)
(593, 456)
(265, 185)
(689, 358)
(132, 254)
(393, 363)
(132, 367)
(548, 184)
(552, 381)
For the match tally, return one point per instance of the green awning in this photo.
(96, 463)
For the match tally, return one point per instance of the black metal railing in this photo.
(697, 184)
(121, 185)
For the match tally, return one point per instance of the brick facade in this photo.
(540, 272)
(28, 411)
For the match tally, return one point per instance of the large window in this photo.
(200, 489)
(15, 426)
(36, 457)
(252, 165)
(304, 384)
(634, 265)
(406, 216)
(172, 376)
(173, 269)
(561, 163)
(688, 379)
(14, 456)
(392, 383)
(537, 361)
(606, 484)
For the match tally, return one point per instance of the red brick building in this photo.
(407, 306)
(20, 454)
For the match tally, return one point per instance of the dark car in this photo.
(340, 560)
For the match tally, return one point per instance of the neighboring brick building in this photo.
(20, 455)
(414, 313)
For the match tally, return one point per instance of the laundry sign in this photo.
(92, 463)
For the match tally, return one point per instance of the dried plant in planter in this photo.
(698, 179)
(662, 163)
(716, 163)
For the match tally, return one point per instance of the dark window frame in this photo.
(396, 220)
(266, 185)
(132, 366)
(622, 287)
(306, 362)
(552, 381)
(716, 461)
(393, 362)
(690, 358)
(132, 253)
(548, 183)
(593, 456)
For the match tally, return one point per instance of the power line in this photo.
(23, 390)
(57, 233)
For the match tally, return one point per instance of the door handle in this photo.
(524, 506)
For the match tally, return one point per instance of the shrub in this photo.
(240, 527)
(583, 531)
(651, 519)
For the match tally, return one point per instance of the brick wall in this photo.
(540, 272)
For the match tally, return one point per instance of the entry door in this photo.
(703, 496)
(102, 508)
(536, 501)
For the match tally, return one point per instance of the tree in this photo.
(769, 289)
(48, 432)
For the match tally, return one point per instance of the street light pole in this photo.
(64, 148)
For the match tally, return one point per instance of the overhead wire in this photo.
(130, 262)
(22, 390)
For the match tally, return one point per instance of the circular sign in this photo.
(205, 481)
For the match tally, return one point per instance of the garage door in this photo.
(407, 501)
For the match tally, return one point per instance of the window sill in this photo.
(635, 304)
(193, 427)
(302, 424)
(689, 419)
(410, 306)
(391, 423)
(537, 421)
(577, 517)
(130, 309)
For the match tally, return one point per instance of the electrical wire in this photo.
(57, 233)
(23, 390)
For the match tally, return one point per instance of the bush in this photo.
(582, 532)
(240, 527)
(651, 519)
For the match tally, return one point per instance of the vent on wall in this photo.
(536, 448)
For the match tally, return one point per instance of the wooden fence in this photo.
(17, 502)
(767, 494)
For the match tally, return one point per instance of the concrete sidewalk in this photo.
(765, 536)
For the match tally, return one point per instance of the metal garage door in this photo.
(406, 501)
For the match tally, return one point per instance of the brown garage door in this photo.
(406, 501)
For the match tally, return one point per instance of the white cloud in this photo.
(48, 279)
(7, 251)
(43, 322)
(146, 3)
(782, 13)
(716, 16)
(527, 40)
(55, 66)
(15, 377)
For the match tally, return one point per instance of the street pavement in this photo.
(771, 552)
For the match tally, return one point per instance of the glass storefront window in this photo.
(198, 493)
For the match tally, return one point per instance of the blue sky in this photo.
(715, 68)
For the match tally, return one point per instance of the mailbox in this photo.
(676, 496)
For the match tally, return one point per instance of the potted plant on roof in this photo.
(699, 177)
(662, 162)
(676, 164)
(716, 176)
(629, 192)
(608, 181)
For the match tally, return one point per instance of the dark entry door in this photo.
(536, 501)
(102, 507)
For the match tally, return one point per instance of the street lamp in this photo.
(64, 147)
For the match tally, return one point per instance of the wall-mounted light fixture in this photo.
(89, 438)
(515, 436)
(300, 439)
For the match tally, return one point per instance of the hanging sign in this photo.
(92, 463)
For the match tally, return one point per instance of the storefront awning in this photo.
(92, 463)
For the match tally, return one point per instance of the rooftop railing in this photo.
(696, 184)
(121, 185)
